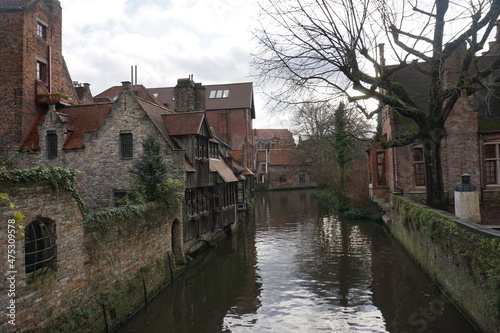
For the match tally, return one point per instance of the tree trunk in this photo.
(433, 171)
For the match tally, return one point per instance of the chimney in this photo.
(189, 96)
(199, 97)
(126, 85)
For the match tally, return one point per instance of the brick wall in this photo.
(104, 272)
(20, 49)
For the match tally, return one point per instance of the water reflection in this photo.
(299, 268)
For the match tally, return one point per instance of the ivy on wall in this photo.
(479, 251)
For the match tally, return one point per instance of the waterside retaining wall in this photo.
(107, 266)
(460, 256)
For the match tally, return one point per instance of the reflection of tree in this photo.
(342, 261)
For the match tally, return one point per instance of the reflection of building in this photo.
(471, 141)
(277, 164)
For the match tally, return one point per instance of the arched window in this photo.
(40, 246)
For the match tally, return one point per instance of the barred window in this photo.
(51, 144)
(40, 246)
(126, 145)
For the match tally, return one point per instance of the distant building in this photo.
(277, 163)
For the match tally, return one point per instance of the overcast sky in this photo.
(166, 39)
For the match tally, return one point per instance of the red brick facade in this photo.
(22, 51)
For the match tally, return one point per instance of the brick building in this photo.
(230, 111)
(33, 72)
(471, 143)
(277, 163)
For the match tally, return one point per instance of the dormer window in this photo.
(221, 93)
(41, 30)
(51, 144)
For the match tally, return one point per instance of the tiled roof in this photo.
(14, 3)
(183, 123)
(223, 170)
(240, 96)
(80, 119)
(156, 113)
(83, 118)
(282, 157)
(236, 154)
(266, 134)
(141, 92)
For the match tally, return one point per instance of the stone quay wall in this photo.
(108, 264)
(460, 256)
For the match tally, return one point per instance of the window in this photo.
(201, 147)
(51, 144)
(263, 167)
(219, 94)
(381, 168)
(214, 151)
(123, 198)
(418, 162)
(41, 30)
(126, 145)
(491, 163)
(302, 179)
(40, 246)
(282, 179)
(41, 71)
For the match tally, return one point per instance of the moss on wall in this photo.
(464, 261)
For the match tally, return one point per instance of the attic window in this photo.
(41, 30)
(51, 144)
(219, 94)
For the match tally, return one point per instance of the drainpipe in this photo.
(395, 155)
(481, 180)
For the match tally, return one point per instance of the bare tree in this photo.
(330, 46)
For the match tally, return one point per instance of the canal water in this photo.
(297, 267)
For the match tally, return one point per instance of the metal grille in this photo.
(127, 145)
(40, 247)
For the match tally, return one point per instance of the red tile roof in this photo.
(141, 92)
(83, 118)
(80, 119)
(266, 134)
(183, 123)
(282, 157)
(236, 154)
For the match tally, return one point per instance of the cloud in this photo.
(167, 40)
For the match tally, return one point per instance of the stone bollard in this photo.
(467, 206)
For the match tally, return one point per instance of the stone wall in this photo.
(108, 263)
(460, 256)
(104, 171)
